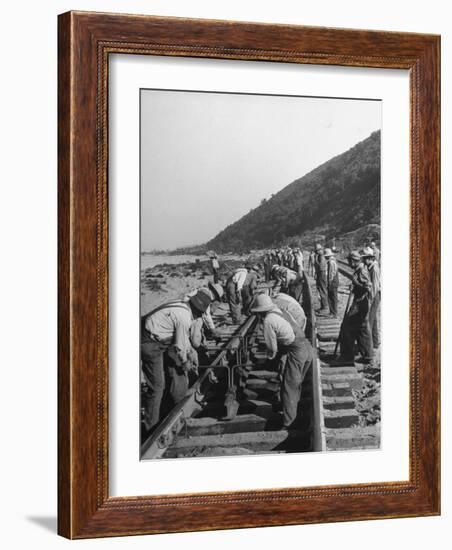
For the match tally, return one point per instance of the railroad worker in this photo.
(373, 269)
(291, 282)
(249, 287)
(298, 261)
(311, 264)
(215, 266)
(291, 307)
(332, 281)
(215, 292)
(268, 262)
(234, 286)
(376, 251)
(321, 273)
(284, 339)
(355, 326)
(166, 331)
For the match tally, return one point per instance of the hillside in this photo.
(338, 197)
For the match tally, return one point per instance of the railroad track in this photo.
(233, 407)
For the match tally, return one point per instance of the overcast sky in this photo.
(208, 158)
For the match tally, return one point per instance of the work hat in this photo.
(200, 301)
(217, 290)
(354, 255)
(328, 253)
(367, 252)
(255, 268)
(318, 246)
(275, 267)
(261, 303)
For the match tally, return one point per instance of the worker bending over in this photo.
(234, 286)
(293, 308)
(284, 338)
(167, 332)
(249, 287)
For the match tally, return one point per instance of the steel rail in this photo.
(156, 444)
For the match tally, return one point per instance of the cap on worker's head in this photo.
(328, 253)
(367, 252)
(275, 267)
(200, 301)
(217, 290)
(255, 268)
(318, 246)
(354, 255)
(261, 303)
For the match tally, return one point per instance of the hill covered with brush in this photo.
(338, 197)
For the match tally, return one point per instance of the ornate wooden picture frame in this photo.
(86, 41)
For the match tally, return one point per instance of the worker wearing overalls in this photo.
(284, 339)
(355, 326)
(166, 331)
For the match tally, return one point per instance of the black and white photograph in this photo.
(260, 256)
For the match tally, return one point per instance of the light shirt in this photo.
(171, 326)
(292, 308)
(239, 278)
(277, 332)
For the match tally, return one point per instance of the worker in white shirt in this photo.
(166, 330)
(215, 266)
(288, 304)
(234, 286)
(283, 337)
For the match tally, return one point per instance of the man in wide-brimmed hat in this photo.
(284, 338)
(166, 333)
(332, 281)
(215, 292)
(355, 327)
(373, 268)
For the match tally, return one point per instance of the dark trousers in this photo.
(374, 321)
(332, 299)
(299, 358)
(321, 288)
(234, 302)
(152, 365)
(247, 299)
(296, 288)
(355, 328)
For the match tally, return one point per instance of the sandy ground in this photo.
(166, 282)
